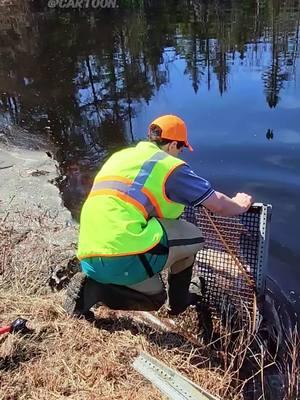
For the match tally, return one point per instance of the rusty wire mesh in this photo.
(247, 238)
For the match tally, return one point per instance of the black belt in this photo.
(146, 265)
(159, 249)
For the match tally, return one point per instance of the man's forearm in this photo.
(223, 205)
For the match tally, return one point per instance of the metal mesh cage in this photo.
(232, 244)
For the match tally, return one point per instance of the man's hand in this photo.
(243, 200)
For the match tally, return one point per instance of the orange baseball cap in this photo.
(173, 128)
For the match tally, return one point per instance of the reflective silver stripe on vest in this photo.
(134, 190)
(129, 190)
(148, 166)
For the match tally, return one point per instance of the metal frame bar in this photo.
(263, 249)
(170, 382)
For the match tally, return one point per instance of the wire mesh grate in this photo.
(246, 237)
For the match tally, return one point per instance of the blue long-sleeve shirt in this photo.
(185, 187)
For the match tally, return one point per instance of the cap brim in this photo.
(189, 147)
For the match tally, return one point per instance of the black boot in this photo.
(178, 291)
(74, 301)
(84, 293)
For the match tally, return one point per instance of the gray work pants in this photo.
(184, 241)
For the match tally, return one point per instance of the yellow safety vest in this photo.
(120, 214)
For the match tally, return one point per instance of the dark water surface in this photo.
(92, 81)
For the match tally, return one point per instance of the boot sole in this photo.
(73, 293)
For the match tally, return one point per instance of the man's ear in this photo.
(173, 145)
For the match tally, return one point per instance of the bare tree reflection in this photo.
(81, 77)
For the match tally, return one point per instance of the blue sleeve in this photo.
(185, 187)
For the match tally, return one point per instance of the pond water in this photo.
(91, 81)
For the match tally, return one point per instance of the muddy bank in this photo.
(39, 231)
(27, 175)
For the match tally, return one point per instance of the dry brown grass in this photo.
(31, 243)
(74, 359)
(67, 358)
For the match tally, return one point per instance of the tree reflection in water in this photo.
(80, 77)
